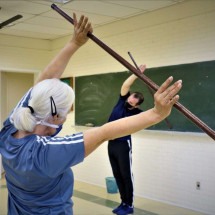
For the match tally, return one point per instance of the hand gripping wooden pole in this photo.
(209, 131)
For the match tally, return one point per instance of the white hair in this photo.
(40, 101)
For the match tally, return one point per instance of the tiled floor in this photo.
(93, 200)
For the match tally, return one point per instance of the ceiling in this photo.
(40, 21)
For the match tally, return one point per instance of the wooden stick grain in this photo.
(204, 127)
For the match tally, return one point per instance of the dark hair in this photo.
(139, 96)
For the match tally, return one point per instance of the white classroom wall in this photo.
(20, 54)
(166, 165)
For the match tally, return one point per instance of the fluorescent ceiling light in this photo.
(61, 1)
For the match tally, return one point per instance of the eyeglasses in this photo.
(53, 107)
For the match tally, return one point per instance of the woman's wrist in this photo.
(75, 44)
(159, 115)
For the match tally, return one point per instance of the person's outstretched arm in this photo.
(57, 66)
(164, 99)
(129, 81)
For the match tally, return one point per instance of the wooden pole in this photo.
(209, 131)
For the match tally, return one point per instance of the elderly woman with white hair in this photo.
(37, 163)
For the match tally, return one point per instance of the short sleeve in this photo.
(125, 96)
(54, 155)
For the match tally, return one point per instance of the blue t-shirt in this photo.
(38, 173)
(121, 111)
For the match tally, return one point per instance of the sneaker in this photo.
(118, 208)
(125, 210)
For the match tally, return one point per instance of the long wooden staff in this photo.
(143, 77)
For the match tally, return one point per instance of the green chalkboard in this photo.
(96, 95)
